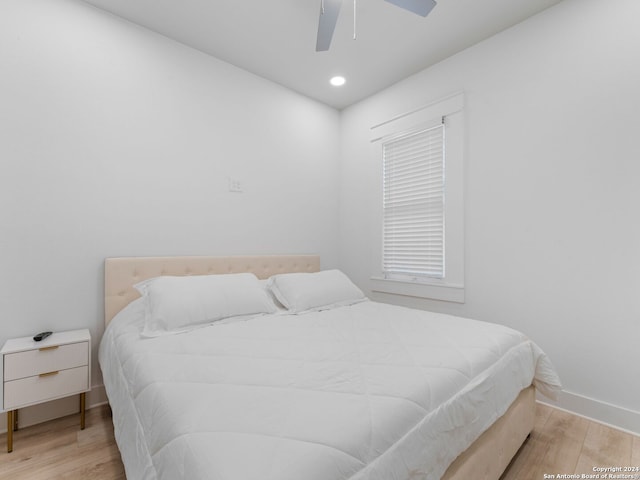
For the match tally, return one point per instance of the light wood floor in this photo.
(560, 443)
(58, 449)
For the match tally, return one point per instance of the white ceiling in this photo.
(276, 39)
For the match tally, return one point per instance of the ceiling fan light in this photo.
(337, 81)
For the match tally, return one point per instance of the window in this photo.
(413, 205)
(421, 218)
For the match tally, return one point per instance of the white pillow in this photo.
(178, 304)
(265, 285)
(300, 292)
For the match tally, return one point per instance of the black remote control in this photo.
(41, 336)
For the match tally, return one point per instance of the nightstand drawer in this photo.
(47, 359)
(48, 386)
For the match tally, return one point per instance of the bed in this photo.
(351, 391)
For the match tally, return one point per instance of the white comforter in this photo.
(368, 391)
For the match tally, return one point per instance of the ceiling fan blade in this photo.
(421, 7)
(327, 24)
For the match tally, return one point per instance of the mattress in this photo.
(366, 391)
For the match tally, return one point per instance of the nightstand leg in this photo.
(10, 431)
(15, 420)
(82, 405)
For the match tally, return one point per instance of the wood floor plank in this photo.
(564, 435)
(635, 452)
(553, 447)
(60, 450)
(604, 446)
(543, 412)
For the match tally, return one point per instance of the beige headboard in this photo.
(120, 274)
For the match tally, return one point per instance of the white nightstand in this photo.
(36, 372)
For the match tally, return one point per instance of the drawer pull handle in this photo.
(48, 348)
(49, 374)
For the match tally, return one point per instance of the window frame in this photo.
(450, 111)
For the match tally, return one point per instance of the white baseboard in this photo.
(58, 408)
(602, 412)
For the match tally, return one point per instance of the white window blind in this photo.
(413, 205)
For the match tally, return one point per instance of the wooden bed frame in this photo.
(485, 459)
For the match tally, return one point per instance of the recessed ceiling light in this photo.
(337, 81)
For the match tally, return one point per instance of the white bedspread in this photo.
(370, 391)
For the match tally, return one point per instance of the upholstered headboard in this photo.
(120, 274)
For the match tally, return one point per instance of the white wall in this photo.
(552, 219)
(115, 141)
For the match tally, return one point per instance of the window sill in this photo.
(433, 291)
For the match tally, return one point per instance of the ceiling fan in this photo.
(329, 10)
